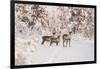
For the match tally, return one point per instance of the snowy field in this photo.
(35, 53)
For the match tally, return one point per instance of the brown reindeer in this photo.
(51, 39)
(46, 38)
(66, 38)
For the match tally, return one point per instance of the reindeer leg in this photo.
(57, 43)
(63, 43)
(66, 42)
(43, 42)
(50, 43)
(69, 43)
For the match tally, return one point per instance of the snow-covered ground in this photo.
(30, 51)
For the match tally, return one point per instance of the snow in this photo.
(80, 50)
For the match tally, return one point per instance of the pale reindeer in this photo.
(55, 40)
(66, 35)
(66, 38)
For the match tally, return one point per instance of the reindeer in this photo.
(46, 38)
(55, 40)
(66, 38)
(51, 39)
